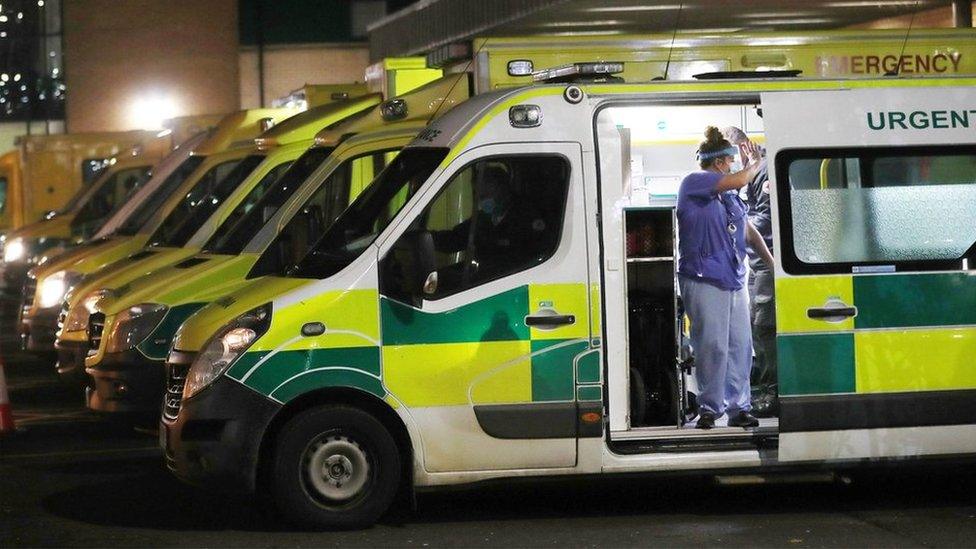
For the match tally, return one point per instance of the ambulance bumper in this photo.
(215, 438)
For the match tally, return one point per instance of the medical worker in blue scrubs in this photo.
(712, 233)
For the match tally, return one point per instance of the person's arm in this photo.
(753, 160)
(735, 181)
(756, 242)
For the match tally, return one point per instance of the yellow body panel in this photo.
(12, 203)
(398, 75)
(915, 360)
(564, 299)
(350, 318)
(796, 295)
(494, 372)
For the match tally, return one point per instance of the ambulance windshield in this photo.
(366, 218)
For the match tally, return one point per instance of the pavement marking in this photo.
(140, 449)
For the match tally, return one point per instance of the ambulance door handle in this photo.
(831, 314)
(549, 320)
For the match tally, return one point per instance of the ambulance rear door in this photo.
(875, 205)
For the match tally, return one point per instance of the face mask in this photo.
(735, 166)
(487, 205)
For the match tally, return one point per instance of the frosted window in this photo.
(883, 209)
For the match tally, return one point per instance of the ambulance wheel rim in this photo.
(336, 469)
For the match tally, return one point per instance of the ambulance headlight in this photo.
(14, 251)
(51, 290)
(134, 325)
(226, 346)
(77, 319)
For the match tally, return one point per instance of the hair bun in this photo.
(713, 135)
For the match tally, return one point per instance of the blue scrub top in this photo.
(711, 232)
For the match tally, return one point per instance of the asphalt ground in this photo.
(68, 478)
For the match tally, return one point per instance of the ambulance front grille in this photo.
(63, 315)
(27, 297)
(176, 371)
(96, 325)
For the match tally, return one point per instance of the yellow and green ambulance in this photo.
(126, 231)
(119, 177)
(506, 61)
(219, 180)
(135, 323)
(470, 316)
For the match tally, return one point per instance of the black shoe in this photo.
(743, 419)
(706, 421)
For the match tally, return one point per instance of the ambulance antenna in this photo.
(904, 44)
(461, 76)
(677, 22)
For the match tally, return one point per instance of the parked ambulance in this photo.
(502, 62)
(120, 176)
(121, 234)
(44, 171)
(126, 347)
(429, 339)
(180, 235)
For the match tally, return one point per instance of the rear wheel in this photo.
(335, 467)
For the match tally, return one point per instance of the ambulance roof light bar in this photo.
(576, 72)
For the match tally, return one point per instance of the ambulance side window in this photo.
(496, 217)
(905, 208)
(107, 199)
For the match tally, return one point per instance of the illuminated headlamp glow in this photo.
(14, 251)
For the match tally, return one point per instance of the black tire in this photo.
(353, 496)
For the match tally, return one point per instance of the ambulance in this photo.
(123, 333)
(128, 235)
(125, 232)
(44, 171)
(469, 316)
(120, 176)
(502, 62)
(155, 234)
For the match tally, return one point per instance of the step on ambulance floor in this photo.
(68, 478)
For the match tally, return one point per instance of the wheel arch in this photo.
(349, 396)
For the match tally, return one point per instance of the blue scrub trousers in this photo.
(721, 337)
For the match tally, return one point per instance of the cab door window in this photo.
(908, 208)
(191, 201)
(496, 217)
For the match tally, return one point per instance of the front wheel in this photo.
(335, 467)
